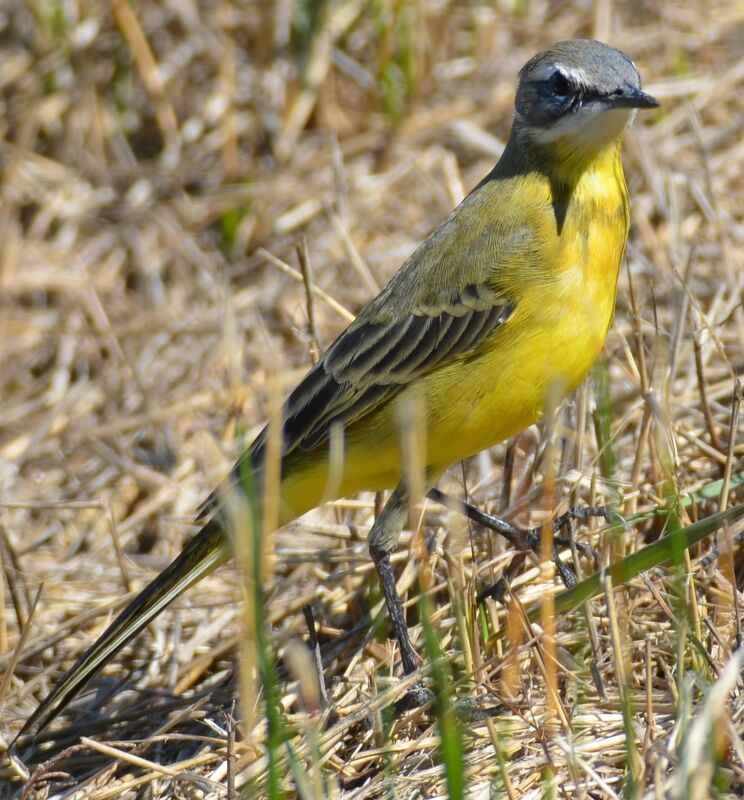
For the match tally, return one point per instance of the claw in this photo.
(418, 695)
(531, 540)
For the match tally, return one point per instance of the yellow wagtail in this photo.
(507, 302)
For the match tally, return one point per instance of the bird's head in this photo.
(578, 97)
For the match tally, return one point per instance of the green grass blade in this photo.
(276, 733)
(603, 420)
(660, 552)
(451, 747)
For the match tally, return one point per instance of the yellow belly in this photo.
(544, 350)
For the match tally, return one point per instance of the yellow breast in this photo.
(565, 303)
(586, 265)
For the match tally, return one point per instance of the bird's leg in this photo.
(382, 539)
(515, 536)
(385, 533)
(527, 540)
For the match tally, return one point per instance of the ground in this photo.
(162, 165)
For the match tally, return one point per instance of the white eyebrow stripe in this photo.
(575, 74)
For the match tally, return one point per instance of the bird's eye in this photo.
(559, 84)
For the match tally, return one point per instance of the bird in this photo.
(501, 310)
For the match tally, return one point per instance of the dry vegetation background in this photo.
(161, 163)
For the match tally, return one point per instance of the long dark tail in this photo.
(203, 554)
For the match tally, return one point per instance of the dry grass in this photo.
(161, 165)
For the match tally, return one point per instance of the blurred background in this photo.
(162, 165)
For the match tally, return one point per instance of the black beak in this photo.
(631, 97)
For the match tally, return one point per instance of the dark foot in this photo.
(469, 709)
(531, 540)
(496, 591)
(418, 695)
(479, 707)
(519, 538)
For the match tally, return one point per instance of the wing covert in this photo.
(373, 360)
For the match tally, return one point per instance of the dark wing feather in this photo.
(370, 363)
